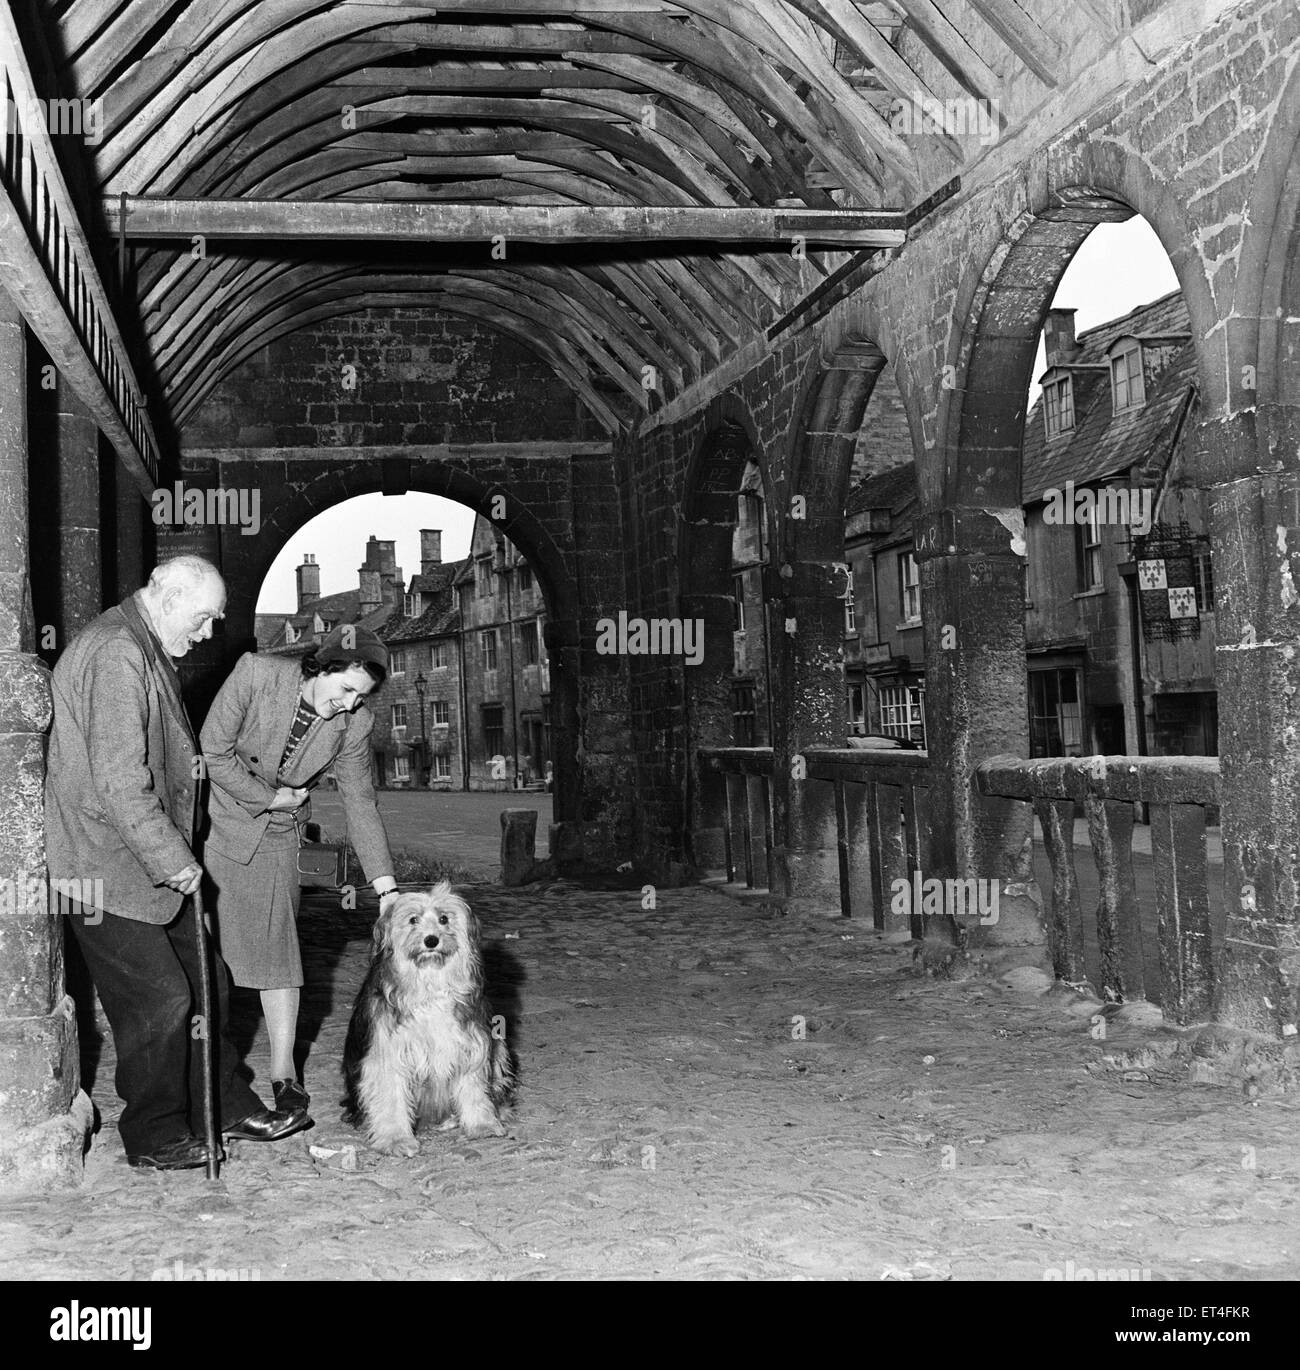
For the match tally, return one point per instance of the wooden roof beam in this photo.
(148, 217)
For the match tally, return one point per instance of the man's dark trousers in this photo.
(147, 976)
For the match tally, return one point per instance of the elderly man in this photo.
(122, 806)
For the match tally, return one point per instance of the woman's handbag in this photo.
(321, 864)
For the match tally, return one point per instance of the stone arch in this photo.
(970, 531)
(727, 462)
(1268, 275)
(245, 562)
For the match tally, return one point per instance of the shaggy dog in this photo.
(420, 1048)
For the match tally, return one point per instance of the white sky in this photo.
(338, 538)
(1119, 267)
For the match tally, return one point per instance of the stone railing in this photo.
(1177, 791)
(881, 819)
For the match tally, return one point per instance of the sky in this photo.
(1119, 267)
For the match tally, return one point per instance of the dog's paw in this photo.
(398, 1146)
(485, 1127)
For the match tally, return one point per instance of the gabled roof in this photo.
(892, 489)
(1103, 443)
(441, 613)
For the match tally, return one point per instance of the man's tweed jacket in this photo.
(243, 740)
(121, 785)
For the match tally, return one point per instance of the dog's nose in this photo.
(431, 941)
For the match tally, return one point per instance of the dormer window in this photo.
(1127, 389)
(411, 605)
(1058, 406)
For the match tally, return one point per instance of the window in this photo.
(857, 710)
(531, 634)
(742, 715)
(1127, 390)
(399, 716)
(1203, 569)
(439, 656)
(902, 712)
(441, 713)
(493, 730)
(909, 587)
(1088, 552)
(490, 649)
(1055, 713)
(397, 663)
(484, 578)
(850, 613)
(738, 602)
(291, 634)
(442, 768)
(411, 604)
(525, 578)
(401, 768)
(1058, 406)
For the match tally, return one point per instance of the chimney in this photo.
(1058, 340)
(372, 594)
(430, 549)
(308, 581)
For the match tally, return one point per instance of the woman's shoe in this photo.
(290, 1096)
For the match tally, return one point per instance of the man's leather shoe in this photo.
(265, 1125)
(183, 1153)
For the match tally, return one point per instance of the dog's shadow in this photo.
(504, 977)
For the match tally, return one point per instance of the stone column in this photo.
(134, 537)
(972, 596)
(68, 584)
(1255, 532)
(43, 1114)
(805, 628)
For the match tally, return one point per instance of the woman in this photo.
(274, 727)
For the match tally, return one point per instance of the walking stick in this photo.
(205, 1042)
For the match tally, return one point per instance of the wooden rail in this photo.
(881, 819)
(1178, 791)
(48, 267)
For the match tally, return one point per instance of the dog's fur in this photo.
(420, 1048)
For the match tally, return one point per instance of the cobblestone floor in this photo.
(672, 1122)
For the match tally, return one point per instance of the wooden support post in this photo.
(1065, 920)
(1182, 912)
(1119, 932)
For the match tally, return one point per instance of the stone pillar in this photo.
(43, 1114)
(972, 596)
(134, 537)
(68, 585)
(805, 627)
(1255, 532)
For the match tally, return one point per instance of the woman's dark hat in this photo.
(351, 642)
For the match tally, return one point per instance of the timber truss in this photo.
(618, 184)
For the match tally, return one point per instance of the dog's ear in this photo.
(440, 891)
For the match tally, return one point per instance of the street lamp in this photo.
(422, 684)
